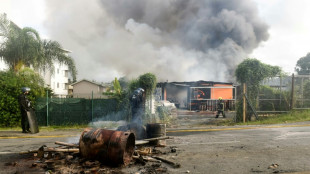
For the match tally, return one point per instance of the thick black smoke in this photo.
(178, 40)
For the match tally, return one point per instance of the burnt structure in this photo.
(198, 95)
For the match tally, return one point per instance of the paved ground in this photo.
(201, 147)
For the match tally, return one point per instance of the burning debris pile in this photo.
(103, 151)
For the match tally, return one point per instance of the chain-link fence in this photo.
(275, 95)
(301, 94)
(283, 93)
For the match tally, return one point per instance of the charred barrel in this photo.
(156, 130)
(110, 147)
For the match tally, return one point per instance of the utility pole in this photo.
(244, 102)
(292, 92)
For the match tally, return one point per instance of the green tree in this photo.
(148, 83)
(253, 72)
(11, 84)
(24, 47)
(303, 65)
(117, 87)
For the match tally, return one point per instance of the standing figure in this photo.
(220, 108)
(137, 105)
(25, 105)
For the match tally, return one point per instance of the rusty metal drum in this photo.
(108, 146)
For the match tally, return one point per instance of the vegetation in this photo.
(252, 72)
(148, 83)
(11, 84)
(267, 92)
(24, 47)
(303, 65)
(291, 117)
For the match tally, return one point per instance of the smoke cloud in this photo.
(178, 40)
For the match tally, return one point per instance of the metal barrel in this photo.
(156, 130)
(108, 146)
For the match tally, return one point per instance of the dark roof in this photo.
(194, 83)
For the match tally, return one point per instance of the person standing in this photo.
(220, 108)
(24, 103)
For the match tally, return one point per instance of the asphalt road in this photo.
(244, 149)
(203, 149)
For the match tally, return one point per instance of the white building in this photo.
(58, 81)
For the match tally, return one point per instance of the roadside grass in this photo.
(47, 128)
(291, 117)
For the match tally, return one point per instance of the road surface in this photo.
(201, 149)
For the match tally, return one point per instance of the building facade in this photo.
(88, 89)
(57, 79)
(198, 95)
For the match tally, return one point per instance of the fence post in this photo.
(92, 106)
(46, 107)
(292, 92)
(244, 102)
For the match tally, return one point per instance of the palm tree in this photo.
(53, 51)
(24, 47)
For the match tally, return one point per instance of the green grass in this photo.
(46, 128)
(291, 117)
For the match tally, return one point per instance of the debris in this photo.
(173, 164)
(173, 150)
(273, 166)
(99, 144)
(66, 144)
(145, 151)
(11, 164)
(147, 158)
(147, 141)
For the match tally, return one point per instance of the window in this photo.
(57, 85)
(66, 73)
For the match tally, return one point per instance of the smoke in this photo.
(178, 40)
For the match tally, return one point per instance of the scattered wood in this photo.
(141, 142)
(173, 164)
(147, 158)
(147, 141)
(145, 151)
(50, 149)
(158, 138)
(66, 144)
(29, 151)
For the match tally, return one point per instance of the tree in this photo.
(303, 65)
(24, 47)
(253, 72)
(11, 84)
(148, 83)
(117, 87)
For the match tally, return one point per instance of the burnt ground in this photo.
(198, 146)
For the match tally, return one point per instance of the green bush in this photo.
(163, 113)
(267, 92)
(10, 85)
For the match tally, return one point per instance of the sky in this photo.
(287, 21)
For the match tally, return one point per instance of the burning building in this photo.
(198, 95)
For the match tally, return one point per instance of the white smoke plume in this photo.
(178, 40)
